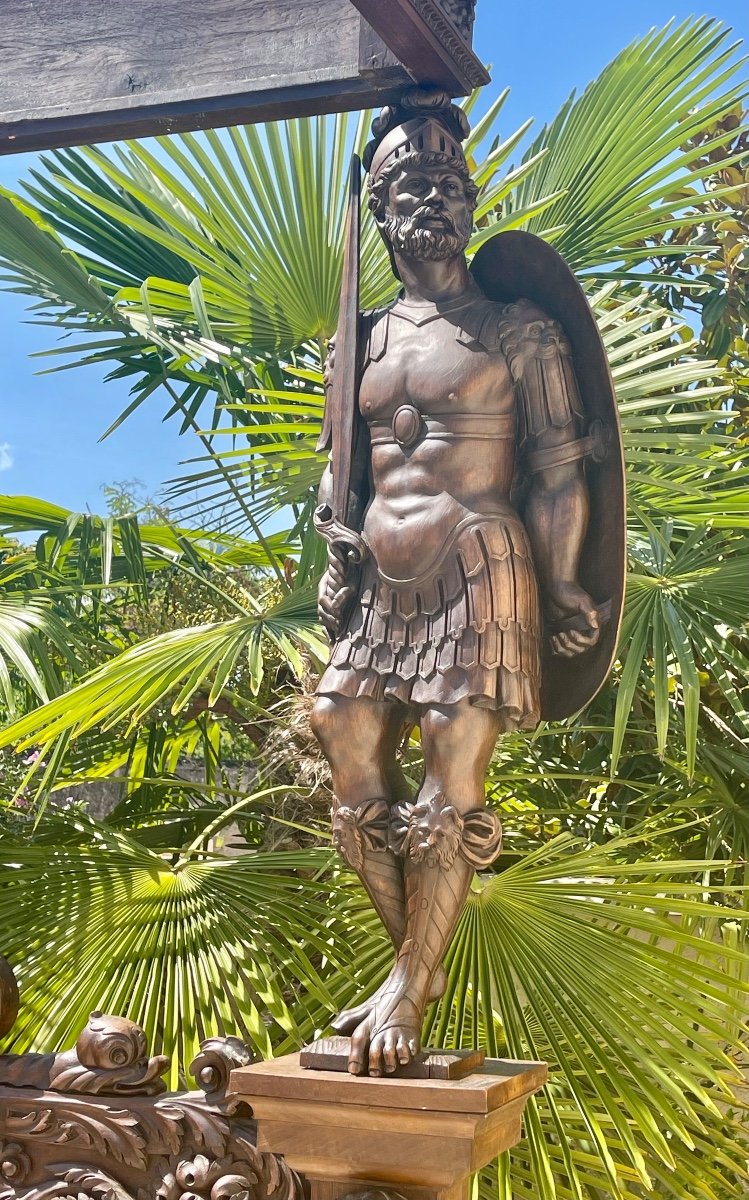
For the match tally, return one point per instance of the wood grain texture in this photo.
(498, 1082)
(95, 54)
(79, 71)
(419, 1139)
(425, 40)
(86, 71)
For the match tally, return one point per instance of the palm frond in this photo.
(209, 947)
(620, 151)
(598, 965)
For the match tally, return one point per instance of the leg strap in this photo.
(356, 830)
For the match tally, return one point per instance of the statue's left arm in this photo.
(552, 444)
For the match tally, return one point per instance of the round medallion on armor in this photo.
(407, 425)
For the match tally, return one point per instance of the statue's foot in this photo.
(388, 1038)
(348, 1020)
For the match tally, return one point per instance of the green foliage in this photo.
(609, 939)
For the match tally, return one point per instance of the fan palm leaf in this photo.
(208, 231)
(30, 629)
(686, 613)
(619, 152)
(171, 668)
(596, 964)
(206, 945)
(88, 548)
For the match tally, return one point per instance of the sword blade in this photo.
(345, 384)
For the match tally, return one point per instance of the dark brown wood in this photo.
(332, 1054)
(90, 1122)
(497, 1083)
(86, 71)
(489, 489)
(422, 35)
(518, 264)
(377, 62)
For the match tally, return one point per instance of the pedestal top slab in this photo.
(499, 1082)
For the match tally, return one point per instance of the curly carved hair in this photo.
(378, 188)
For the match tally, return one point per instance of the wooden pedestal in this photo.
(420, 1138)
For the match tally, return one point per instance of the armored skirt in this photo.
(469, 629)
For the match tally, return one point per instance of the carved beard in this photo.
(409, 237)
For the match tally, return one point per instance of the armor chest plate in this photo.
(435, 368)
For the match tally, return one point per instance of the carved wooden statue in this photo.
(473, 510)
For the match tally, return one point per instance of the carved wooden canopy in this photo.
(90, 71)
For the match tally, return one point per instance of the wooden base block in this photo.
(332, 1054)
(419, 1137)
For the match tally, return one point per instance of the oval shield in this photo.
(515, 265)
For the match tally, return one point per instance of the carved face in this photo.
(347, 838)
(428, 212)
(433, 831)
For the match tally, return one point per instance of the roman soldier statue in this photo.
(473, 509)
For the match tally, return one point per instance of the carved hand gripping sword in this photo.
(333, 521)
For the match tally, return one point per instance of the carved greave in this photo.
(441, 848)
(434, 902)
(361, 837)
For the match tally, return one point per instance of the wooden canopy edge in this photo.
(425, 40)
(89, 72)
(273, 104)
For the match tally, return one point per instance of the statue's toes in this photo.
(390, 1040)
(377, 1063)
(390, 1048)
(405, 1050)
(358, 1058)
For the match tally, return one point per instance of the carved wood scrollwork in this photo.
(461, 13)
(87, 1125)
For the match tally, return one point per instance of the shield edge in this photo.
(514, 265)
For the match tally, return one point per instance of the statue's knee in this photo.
(325, 721)
(436, 726)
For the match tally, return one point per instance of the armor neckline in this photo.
(422, 314)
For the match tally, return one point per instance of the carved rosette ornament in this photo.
(65, 1140)
(210, 1179)
(15, 1164)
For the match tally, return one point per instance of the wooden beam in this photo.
(427, 43)
(84, 71)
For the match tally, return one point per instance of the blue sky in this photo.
(49, 425)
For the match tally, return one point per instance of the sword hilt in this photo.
(339, 536)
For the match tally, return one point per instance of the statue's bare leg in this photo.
(360, 739)
(442, 838)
